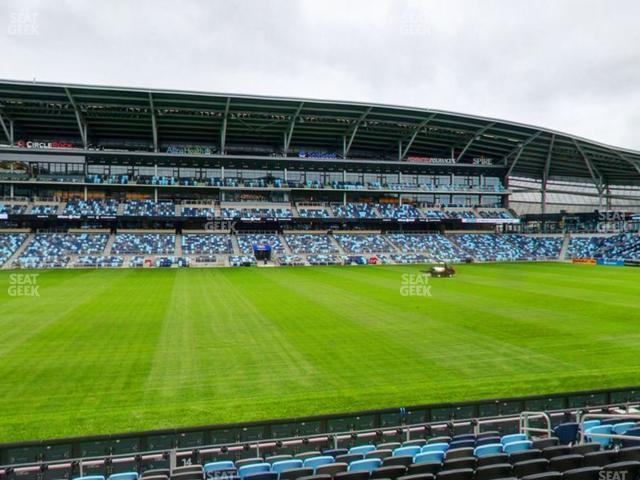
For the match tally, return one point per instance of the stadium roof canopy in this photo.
(92, 114)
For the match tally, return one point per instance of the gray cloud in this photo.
(569, 65)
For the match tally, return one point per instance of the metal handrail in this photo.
(524, 422)
(622, 416)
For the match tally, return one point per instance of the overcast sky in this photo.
(569, 65)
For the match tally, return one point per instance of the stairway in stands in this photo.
(565, 246)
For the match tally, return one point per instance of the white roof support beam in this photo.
(547, 163)
(223, 130)
(154, 123)
(475, 137)
(519, 151)
(292, 123)
(82, 124)
(8, 130)
(355, 130)
(593, 171)
(422, 124)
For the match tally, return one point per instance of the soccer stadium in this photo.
(138, 228)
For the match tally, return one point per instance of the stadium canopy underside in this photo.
(281, 127)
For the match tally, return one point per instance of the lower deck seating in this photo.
(247, 242)
(99, 261)
(52, 250)
(363, 243)
(314, 243)
(508, 247)
(9, 244)
(144, 244)
(206, 243)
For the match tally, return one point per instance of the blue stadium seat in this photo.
(254, 468)
(622, 427)
(124, 476)
(590, 424)
(314, 462)
(223, 466)
(604, 429)
(516, 437)
(367, 465)
(411, 450)
(513, 447)
(566, 432)
(362, 449)
(284, 465)
(435, 447)
(490, 449)
(428, 457)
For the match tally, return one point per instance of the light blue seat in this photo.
(410, 450)
(590, 424)
(284, 465)
(222, 466)
(489, 449)
(362, 449)
(90, 477)
(254, 468)
(428, 457)
(435, 447)
(314, 462)
(621, 428)
(604, 441)
(366, 465)
(124, 476)
(517, 446)
(515, 437)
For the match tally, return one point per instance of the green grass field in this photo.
(121, 350)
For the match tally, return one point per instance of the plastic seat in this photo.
(349, 457)
(459, 463)
(590, 435)
(462, 474)
(428, 457)
(632, 432)
(599, 459)
(295, 474)
(391, 472)
(223, 466)
(334, 452)
(590, 424)
(284, 465)
(493, 472)
(493, 459)
(165, 472)
(563, 463)
(584, 448)
(487, 441)
(428, 467)
(435, 447)
(277, 458)
(315, 462)
(629, 453)
(556, 451)
(516, 446)
(583, 473)
(248, 461)
(471, 443)
(404, 460)
(566, 432)
(411, 450)
(362, 449)
(381, 454)
(542, 443)
(515, 437)
(441, 439)
(530, 467)
(621, 428)
(523, 455)
(124, 476)
(331, 468)
(261, 476)
(418, 442)
(367, 465)
(304, 455)
(361, 475)
(245, 470)
(459, 452)
(417, 476)
(485, 450)
(543, 476)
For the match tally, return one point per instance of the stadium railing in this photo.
(155, 449)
